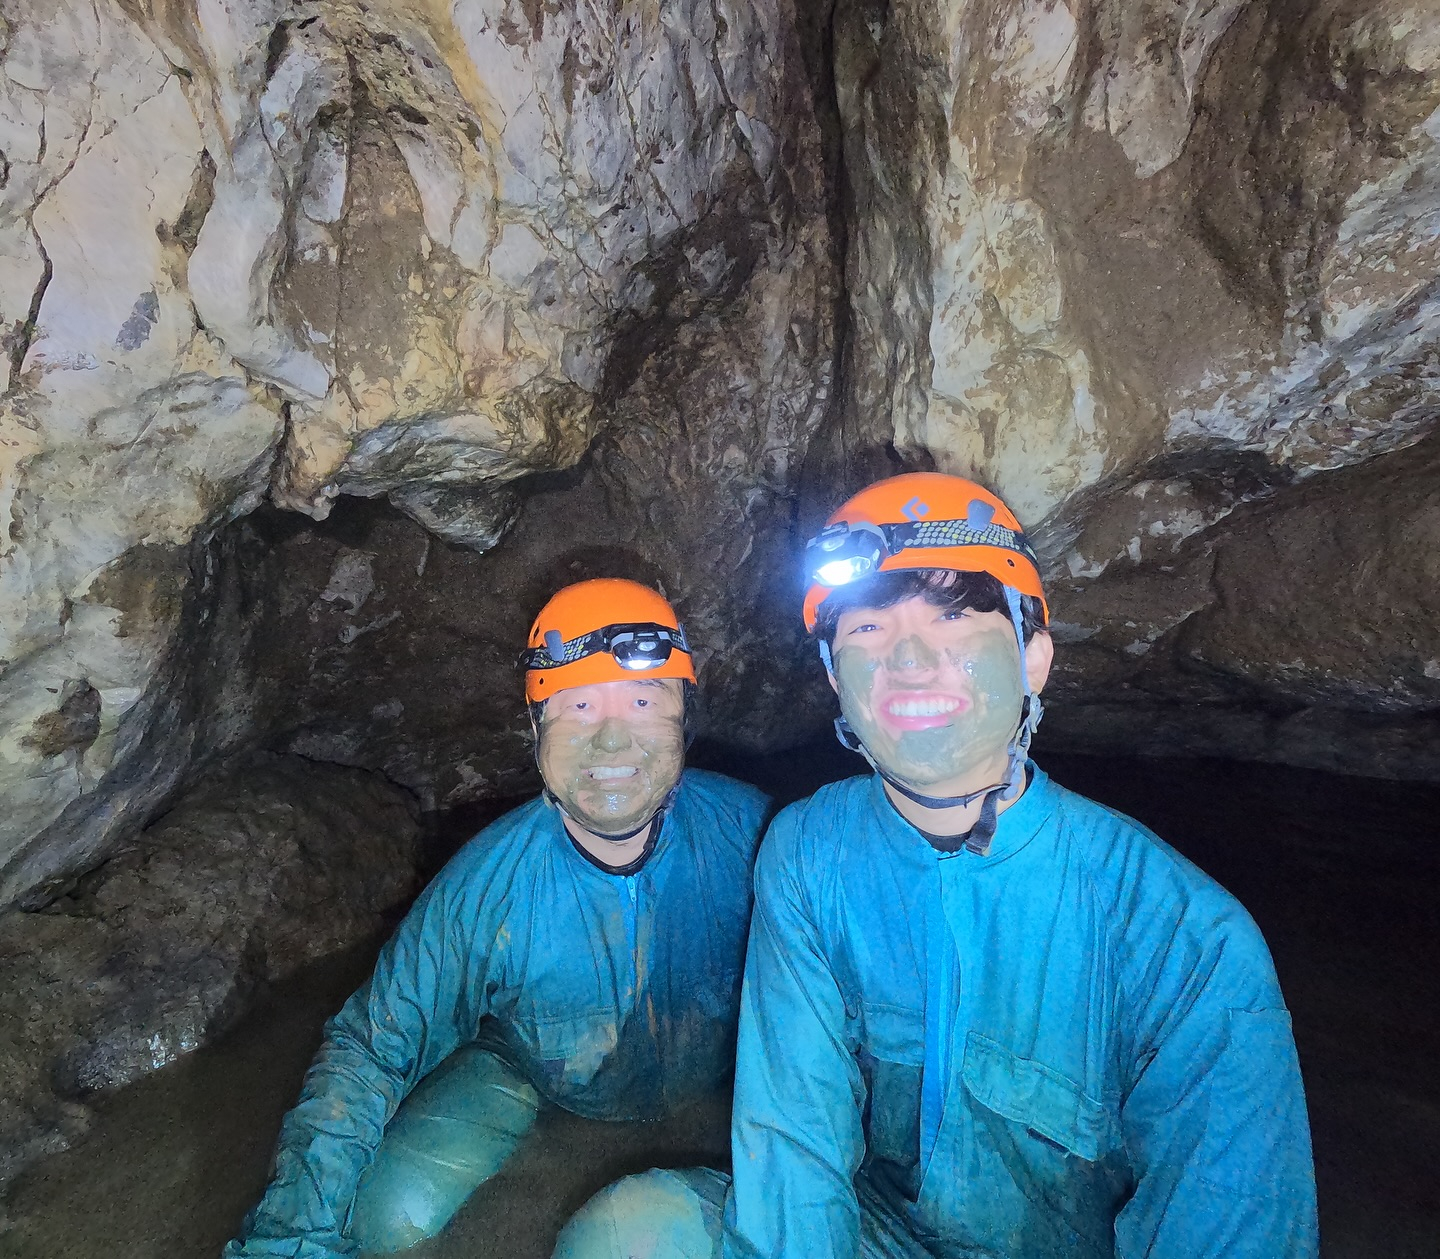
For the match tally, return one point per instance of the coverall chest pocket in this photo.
(891, 1057)
(1038, 1130)
(1046, 1105)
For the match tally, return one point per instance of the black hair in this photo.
(940, 587)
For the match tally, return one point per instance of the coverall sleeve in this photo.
(796, 1132)
(411, 1014)
(1215, 1122)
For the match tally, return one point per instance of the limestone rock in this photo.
(256, 872)
(321, 248)
(560, 285)
(1059, 273)
(1144, 267)
(1299, 628)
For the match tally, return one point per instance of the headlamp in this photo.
(842, 553)
(641, 647)
(636, 647)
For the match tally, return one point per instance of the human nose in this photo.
(912, 652)
(613, 736)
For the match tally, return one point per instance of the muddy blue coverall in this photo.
(612, 996)
(1072, 1047)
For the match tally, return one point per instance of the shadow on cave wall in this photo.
(365, 641)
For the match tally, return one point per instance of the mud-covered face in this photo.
(935, 694)
(611, 752)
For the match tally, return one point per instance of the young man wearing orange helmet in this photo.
(585, 950)
(983, 1016)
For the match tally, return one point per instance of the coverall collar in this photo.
(1014, 828)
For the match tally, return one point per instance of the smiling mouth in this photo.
(931, 706)
(611, 773)
(921, 711)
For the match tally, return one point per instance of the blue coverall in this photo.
(1073, 1046)
(612, 996)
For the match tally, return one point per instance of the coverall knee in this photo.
(658, 1214)
(454, 1132)
(663, 1214)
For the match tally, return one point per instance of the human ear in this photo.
(1039, 656)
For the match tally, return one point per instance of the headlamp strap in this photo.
(966, 532)
(844, 544)
(973, 530)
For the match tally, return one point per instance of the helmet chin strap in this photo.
(980, 836)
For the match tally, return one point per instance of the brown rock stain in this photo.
(75, 725)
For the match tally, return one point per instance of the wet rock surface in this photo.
(1300, 628)
(1090, 234)
(367, 641)
(305, 250)
(1144, 268)
(647, 291)
(257, 872)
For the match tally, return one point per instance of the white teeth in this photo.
(923, 707)
(605, 773)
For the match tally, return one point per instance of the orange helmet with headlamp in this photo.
(606, 630)
(919, 520)
(930, 521)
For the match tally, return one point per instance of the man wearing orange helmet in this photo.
(585, 950)
(982, 1015)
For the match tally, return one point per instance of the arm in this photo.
(796, 1132)
(411, 1014)
(1216, 1125)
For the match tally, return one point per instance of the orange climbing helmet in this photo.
(606, 630)
(919, 520)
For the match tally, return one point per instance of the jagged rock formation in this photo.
(1140, 265)
(259, 870)
(559, 286)
(411, 250)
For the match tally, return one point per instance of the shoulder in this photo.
(811, 834)
(744, 807)
(1167, 917)
(1130, 861)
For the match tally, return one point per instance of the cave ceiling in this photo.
(336, 335)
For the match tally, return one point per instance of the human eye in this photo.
(955, 614)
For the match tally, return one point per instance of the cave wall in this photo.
(1165, 275)
(536, 291)
(1089, 235)
(411, 251)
